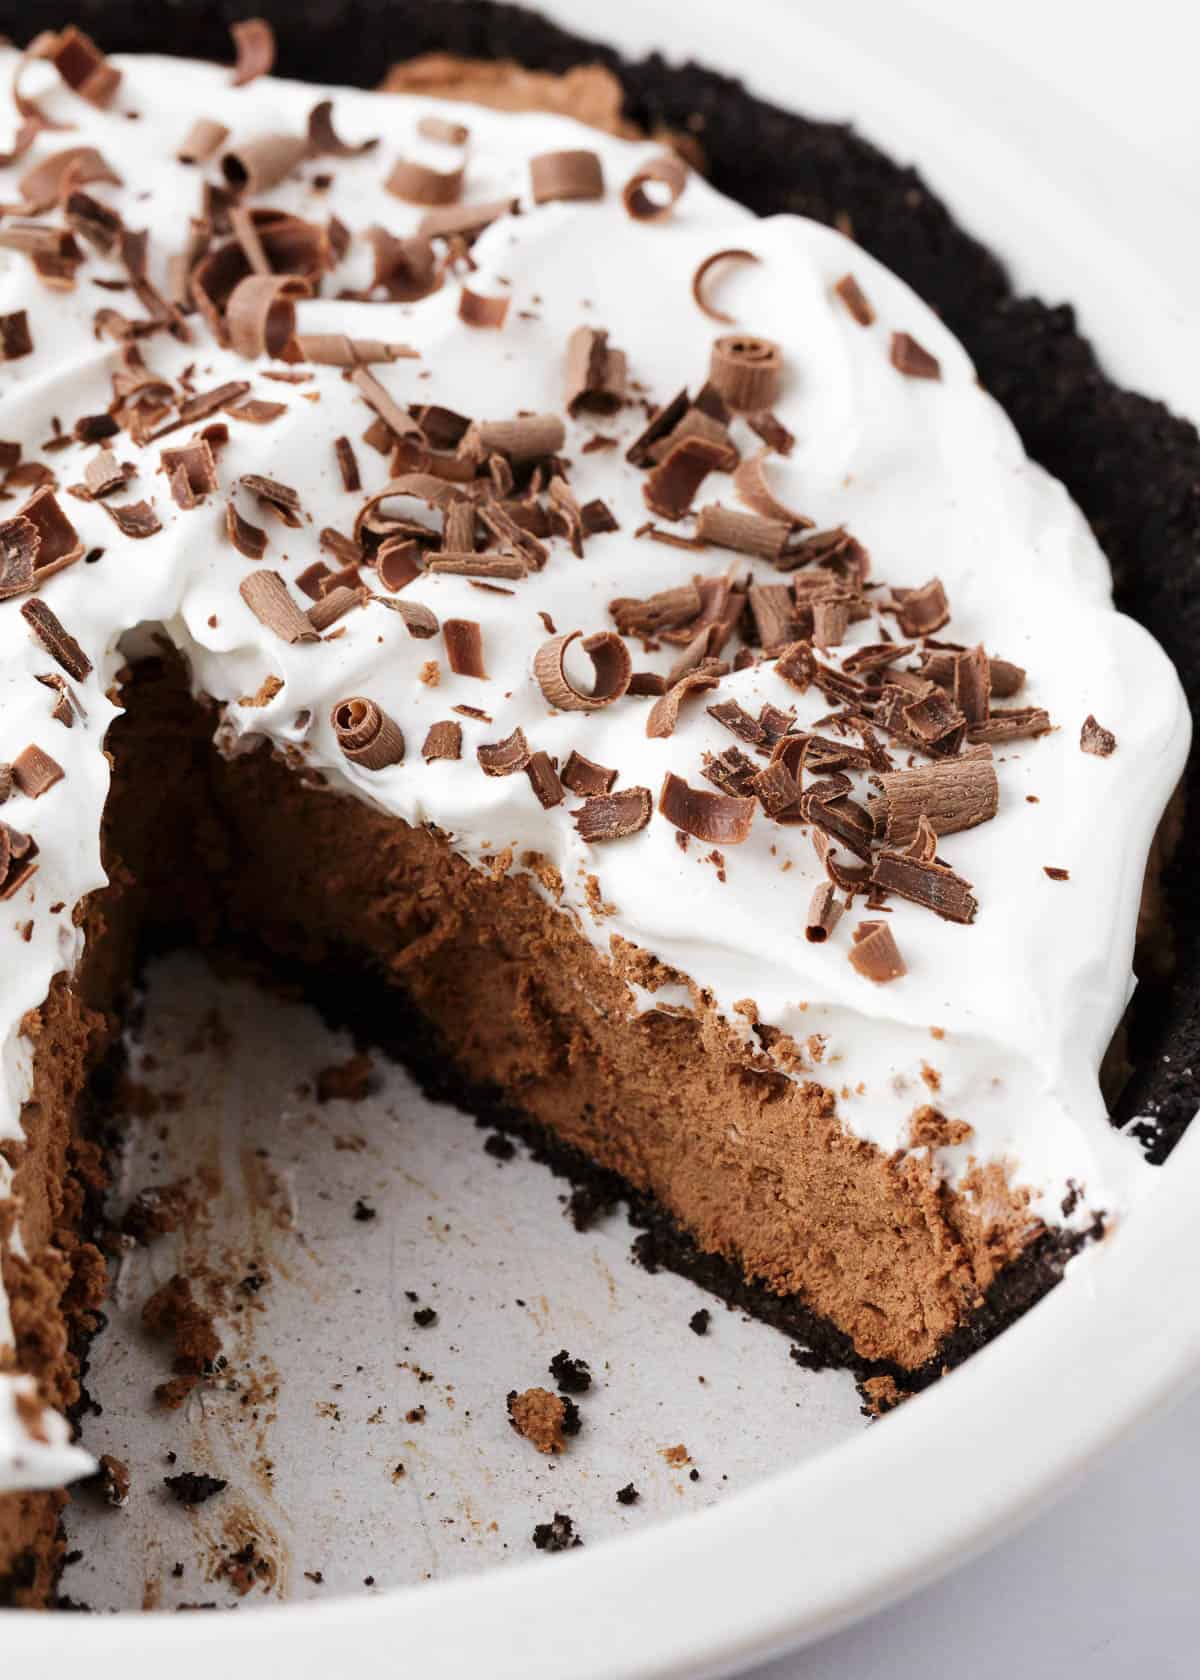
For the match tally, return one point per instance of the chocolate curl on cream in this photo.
(478, 311)
(366, 735)
(527, 438)
(323, 140)
(747, 371)
(202, 141)
(610, 660)
(875, 954)
(417, 183)
(260, 164)
(566, 175)
(668, 173)
(700, 296)
(719, 819)
(260, 316)
(614, 816)
(254, 42)
(750, 482)
(824, 913)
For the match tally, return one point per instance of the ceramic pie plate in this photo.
(809, 1547)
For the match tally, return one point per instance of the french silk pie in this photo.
(464, 552)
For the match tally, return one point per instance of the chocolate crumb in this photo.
(1095, 739)
(1055, 873)
(556, 1536)
(543, 1419)
(425, 1317)
(628, 1495)
(572, 1375)
(699, 1321)
(194, 1487)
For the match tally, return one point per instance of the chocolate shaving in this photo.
(334, 605)
(59, 544)
(743, 533)
(738, 721)
(544, 780)
(1019, 723)
(381, 401)
(464, 647)
(718, 819)
(876, 656)
(1095, 739)
(664, 714)
(103, 473)
(777, 790)
(953, 794)
(256, 412)
(283, 501)
(912, 359)
(419, 620)
(58, 642)
(479, 311)
(610, 662)
(934, 721)
(133, 519)
(827, 806)
(522, 440)
(772, 431)
(597, 517)
(824, 913)
(260, 316)
(258, 165)
(34, 772)
(774, 611)
(366, 735)
(249, 540)
(336, 350)
(477, 565)
(666, 610)
(254, 42)
(670, 487)
(53, 179)
(195, 462)
(731, 771)
(64, 708)
(855, 300)
(504, 758)
(18, 858)
(203, 140)
(82, 66)
(19, 545)
(595, 378)
(830, 620)
(701, 275)
(398, 562)
(748, 372)
(874, 953)
(667, 172)
(203, 403)
(613, 816)
(1048, 869)
(928, 883)
(310, 579)
(347, 464)
(417, 183)
(444, 740)
(266, 594)
(750, 482)
(660, 424)
(323, 140)
(566, 175)
(919, 612)
(585, 778)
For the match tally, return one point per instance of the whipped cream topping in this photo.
(1013, 1013)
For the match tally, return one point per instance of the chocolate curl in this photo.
(336, 350)
(719, 819)
(699, 296)
(919, 612)
(266, 594)
(19, 543)
(664, 714)
(610, 661)
(544, 780)
(15, 338)
(419, 620)
(56, 639)
(333, 606)
(744, 533)
(528, 438)
(750, 482)
(261, 164)
(416, 183)
(479, 311)
(748, 372)
(444, 740)
(406, 268)
(586, 778)
(824, 913)
(855, 300)
(670, 487)
(595, 379)
(504, 758)
(51, 180)
(366, 735)
(323, 140)
(875, 955)
(254, 42)
(260, 316)
(18, 854)
(202, 141)
(59, 543)
(443, 130)
(566, 175)
(667, 172)
(83, 67)
(614, 816)
(464, 647)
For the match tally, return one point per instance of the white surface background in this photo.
(1108, 1583)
